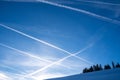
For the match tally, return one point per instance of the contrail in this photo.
(41, 41)
(78, 10)
(8, 67)
(30, 55)
(31, 74)
(80, 51)
(33, 38)
(25, 53)
(99, 2)
(82, 11)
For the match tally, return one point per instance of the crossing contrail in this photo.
(82, 11)
(44, 68)
(101, 30)
(99, 2)
(24, 53)
(75, 9)
(39, 40)
(29, 55)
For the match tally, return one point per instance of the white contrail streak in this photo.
(80, 51)
(29, 55)
(11, 68)
(82, 11)
(24, 53)
(78, 10)
(33, 38)
(57, 62)
(99, 2)
(44, 68)
(41, 41)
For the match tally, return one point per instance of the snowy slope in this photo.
(113, 74)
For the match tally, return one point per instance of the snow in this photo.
(113, 74)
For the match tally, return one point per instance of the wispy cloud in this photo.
(52, 64)
(58, 71)
(4, 76)
(33, 63)
(63, 1)
(104, 5)
(99, 2)
(41, 41)
(30, 55)
(56, 62)
(11, 76)
(79, 10)
(47, 76)
(95, 38)
(9, 68)
(25, 53)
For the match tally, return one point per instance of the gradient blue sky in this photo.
(66, 28)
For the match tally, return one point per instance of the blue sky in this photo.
(38, 38)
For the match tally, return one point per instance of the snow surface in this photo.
(113, 74)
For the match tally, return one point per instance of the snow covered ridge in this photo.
(111, 74)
